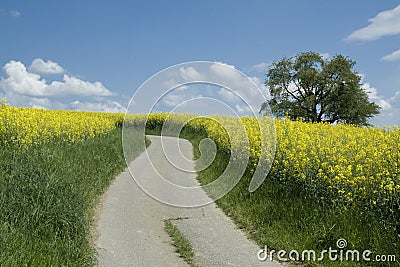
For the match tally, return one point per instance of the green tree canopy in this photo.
(318, 90)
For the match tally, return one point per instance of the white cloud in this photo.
(173, 84)
(190, 74)
(178, 96)
(325, 56)
(373, 96)
(242, 109)
(207, 80)
(225, 72)
(259, 68)
(42, 103)
(12, 13)
(39, 66)
(173, 99)
(15, 13)
(383, 24)
(107, 106)
(22, 87)
(252, 94)
(395, 98)
(389, 116)
(395, 56)
(28, 101)
(20, 81)
(227, 95)
(23, 82)
(170, 83)
(215, 74)
(390, 106)
(75, 86)
(257, 81)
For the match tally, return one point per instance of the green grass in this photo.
(48, 195)
(182, 245)
(284, 217)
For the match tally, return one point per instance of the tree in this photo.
(318, 90)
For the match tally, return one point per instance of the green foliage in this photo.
(48, 193)
(317, 90)
(181, 243)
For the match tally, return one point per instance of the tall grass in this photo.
(47, 197)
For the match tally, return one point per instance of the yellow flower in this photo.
(360, 165)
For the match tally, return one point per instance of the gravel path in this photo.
(130, 226)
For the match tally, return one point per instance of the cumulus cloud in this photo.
(389, 116)
(225, 72)
(250, 89)
(170, 83)
(42, 103)
(390, 106)
(106, 106)
(378, 99)
(395, 56)
(190, 74)
(251, 92)
(19, 80)
(36, 102)
(39, 66)
(180, 95)
(383, 24)
(23, 86)
(173, 99)
(206, 80)
(74, 86)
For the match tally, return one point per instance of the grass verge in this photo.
(286, 218)
(182, 245)
(48, 195)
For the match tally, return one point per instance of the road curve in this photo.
(130, 227)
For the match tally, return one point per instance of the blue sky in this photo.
(93, 55)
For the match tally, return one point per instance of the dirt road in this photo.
(131, 223)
